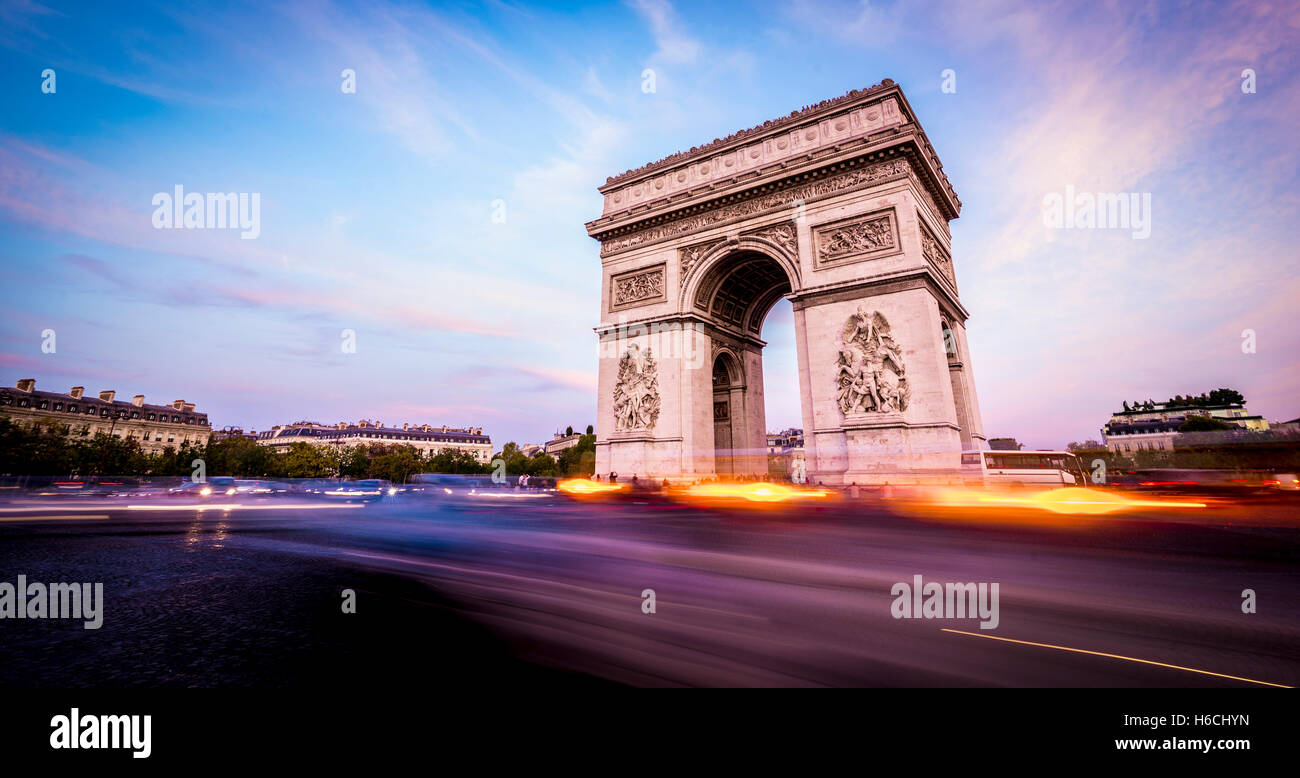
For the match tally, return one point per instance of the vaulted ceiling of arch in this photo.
(740, 293)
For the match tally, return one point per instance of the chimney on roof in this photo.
(178, 404)
(379, 424)
(138, 400)
(107, 395)
(77, 391)
(187, 406)
(26, 384)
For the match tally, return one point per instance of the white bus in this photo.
(1022, 468)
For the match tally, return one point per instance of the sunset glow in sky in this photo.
(376, 207)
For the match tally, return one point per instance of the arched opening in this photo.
(725, 381)
(782, 404)
(738, 292)
(735, 295)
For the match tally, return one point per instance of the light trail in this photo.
(46, 508)
(578, 486)
(1116, 656)
(237, 507)
(761, 491)
(65, 517)
(1070, 499)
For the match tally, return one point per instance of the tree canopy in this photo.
(51, 448)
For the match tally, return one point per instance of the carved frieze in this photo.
(928, 199)
(690, 256)
(637, 287)
(784, 235)
(934, 252)
(636, 395)
(871, 377)
(721, 411)
(862, 238)
(853, 179)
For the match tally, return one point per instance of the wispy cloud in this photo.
(376, 204)
(676, 47)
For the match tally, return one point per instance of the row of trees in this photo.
(1216, 397)
(1245, 450)
(50, 448)
(577, 460)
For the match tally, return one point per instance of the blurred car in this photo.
(88, 487)
(142, 491)
(218, 486)
(262, 488)
(367, 489)
(314, 486)
(450, 484)
(540, 482)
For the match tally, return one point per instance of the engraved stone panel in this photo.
(784, 235)
(639, 287)
(934, 252)
(863, 238)
(689, 257)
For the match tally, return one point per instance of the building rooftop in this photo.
(369, 428)
(106, 399)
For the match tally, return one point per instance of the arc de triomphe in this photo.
(842, 208)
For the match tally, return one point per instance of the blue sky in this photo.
(376, 207)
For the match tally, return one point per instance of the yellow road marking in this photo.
(1116, 656)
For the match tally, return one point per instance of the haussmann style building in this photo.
(424, 437)
(156, 427)
(1154, 426)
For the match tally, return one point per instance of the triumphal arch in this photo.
(842, 208)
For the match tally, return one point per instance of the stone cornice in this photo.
(809, 183)
(860, 121)
(642, 326)
(766, 127)
(913, 278)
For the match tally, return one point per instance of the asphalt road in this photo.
(546, 591)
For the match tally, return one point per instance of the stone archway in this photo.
(732, 292)
(843, 209)
(726, 383)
